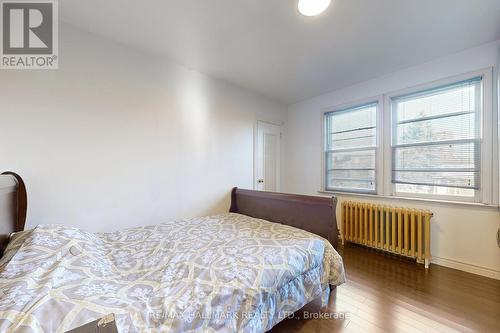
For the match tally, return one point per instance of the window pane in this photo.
(442, 156)
(351, 140)
(434, 190)
(353, 119)
(442, 101)
(449, 128)
(436, 140)
(367, 175)
(364, 159)
(352, 185)
(447, 179)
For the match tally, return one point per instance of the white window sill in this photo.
(398, 198)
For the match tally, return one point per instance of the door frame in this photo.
(255, 143)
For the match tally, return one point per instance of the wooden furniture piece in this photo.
(313, 214)
(13, 206)
(103, 325)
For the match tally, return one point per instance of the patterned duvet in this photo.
(226, 273)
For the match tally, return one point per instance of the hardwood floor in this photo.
(385, 293)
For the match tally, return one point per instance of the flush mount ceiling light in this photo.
(313, 7)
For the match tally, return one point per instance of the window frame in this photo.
(485, 193)
(488, 194)
(379, 101)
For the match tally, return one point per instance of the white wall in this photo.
(117, 138)
(463, 237)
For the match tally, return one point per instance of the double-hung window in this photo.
(351, 149)
(436, 140)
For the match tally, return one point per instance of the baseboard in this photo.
(461, 266)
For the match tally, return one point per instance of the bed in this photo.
(241, 271)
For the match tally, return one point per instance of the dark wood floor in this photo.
(387, 294)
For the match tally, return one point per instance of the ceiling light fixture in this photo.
(313, 7)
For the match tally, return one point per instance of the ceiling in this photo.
(266, 46)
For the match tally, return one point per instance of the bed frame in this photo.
(13, 206)
(313, 214)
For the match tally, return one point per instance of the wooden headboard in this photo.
(13, 205)
(313, 214)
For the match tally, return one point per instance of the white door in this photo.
(267, 157)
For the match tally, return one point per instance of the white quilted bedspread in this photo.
(227, 273)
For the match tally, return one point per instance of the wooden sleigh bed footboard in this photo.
(13, 204)
(313, 214)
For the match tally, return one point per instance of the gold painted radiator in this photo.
(402, 231)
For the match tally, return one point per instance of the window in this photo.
(351, 149)
(436, 140)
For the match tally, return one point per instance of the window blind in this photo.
(436, 136)
(351, 143)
